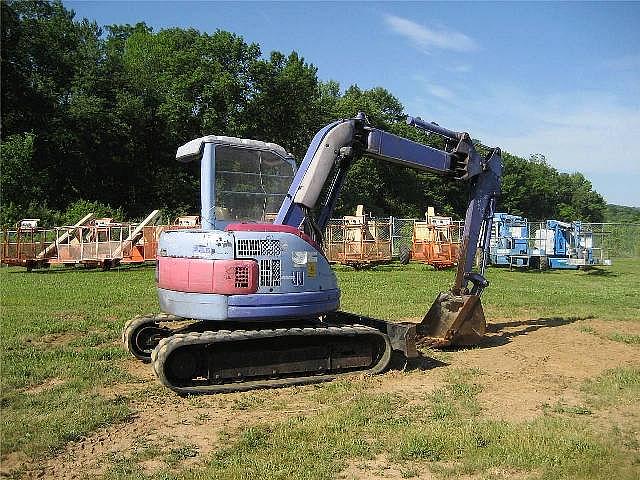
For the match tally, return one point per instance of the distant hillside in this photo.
(621, 214)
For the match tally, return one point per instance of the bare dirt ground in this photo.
(525, 365)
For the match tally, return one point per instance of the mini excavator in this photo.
(249, 299)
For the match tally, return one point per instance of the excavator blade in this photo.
(452, 320)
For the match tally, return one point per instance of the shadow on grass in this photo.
(523, 327)
(600, 272)
(590, 270)
(422, 362)
(396, 267)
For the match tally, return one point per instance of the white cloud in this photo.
(428, 39)
(440, 92)
(588, 132)
(594, 134)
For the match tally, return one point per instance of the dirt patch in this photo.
(54, 339)
(165, 422)
(606, 328)
(12, 461)
(141, 377)
(525, 365)
(532, 363)
(380, 468)
(161, 419)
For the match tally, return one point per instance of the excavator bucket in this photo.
(452, 320)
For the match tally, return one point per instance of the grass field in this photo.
(66, 383)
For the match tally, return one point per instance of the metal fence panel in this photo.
(401, 234)
(616, 239)
(610, 240)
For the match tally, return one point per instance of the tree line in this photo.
(92, 116)
(619, 213)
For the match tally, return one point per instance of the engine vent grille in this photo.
(270, 247)
(269, 273)
(255, 247)
(247, 248)
(242, 277)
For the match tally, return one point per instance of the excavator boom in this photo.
(456, 317)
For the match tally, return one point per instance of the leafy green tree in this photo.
(93, 115)
(78, 209)
(622, 214)
(282, 105)
(20, 181)
(578, 200)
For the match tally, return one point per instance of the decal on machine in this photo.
(210, 245)
(312, 269)
(203, 250)
(297, 279)
(301, 259)
(308, 259)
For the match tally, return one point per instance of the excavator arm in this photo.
(338, 145)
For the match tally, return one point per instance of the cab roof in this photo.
(193, 149)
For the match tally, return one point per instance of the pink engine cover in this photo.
(197, 275)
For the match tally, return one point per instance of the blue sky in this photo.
(561, 79)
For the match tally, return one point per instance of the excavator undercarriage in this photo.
(194, 359)
(189, 357)
(236, 360)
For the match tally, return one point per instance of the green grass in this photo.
(614, 387)
(407, 292)
(628, 338)
(419, 436)
(561, 407)
(60, 335)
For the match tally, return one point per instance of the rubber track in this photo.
(168, 345)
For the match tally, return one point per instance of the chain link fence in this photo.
(402, 233)
(620, 240)
(610, 240)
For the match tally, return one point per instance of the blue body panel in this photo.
(561, 263)
(410, 154)
(291, 213)
(295, 279)
(283, 305)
